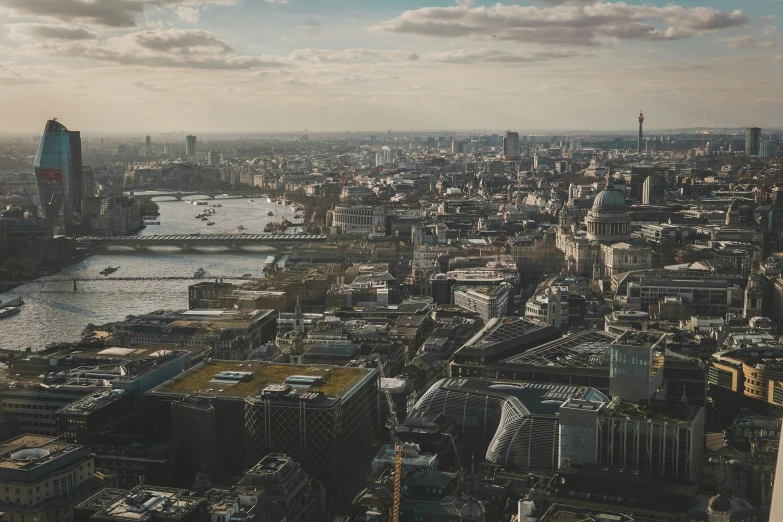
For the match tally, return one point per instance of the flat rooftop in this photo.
(655, 411)
(332, 381)
(587, 349)
(36, 455)
(93, 402)
(199, 318)
(142, 503)
(505, 333)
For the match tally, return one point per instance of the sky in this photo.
(221, 66)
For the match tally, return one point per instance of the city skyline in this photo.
(286, 66)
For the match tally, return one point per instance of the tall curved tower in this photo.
(641, 133)
(55, 177)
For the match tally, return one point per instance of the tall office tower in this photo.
(54, 175)
(213, 157)
(148, 145)
(190, 146)
(575, 144)
(75, 145)
(752, 141)
(641, 132)
(768, 149)
(511, 144)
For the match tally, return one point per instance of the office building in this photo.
(142, 503)
(575, 144)
(42, 478)
(75, 147)
(752, 141)
(232, 334)
(511, 144)
(500, 339)
(58, 153)
(358, 219)
(148, 145)
(277, 478)
(317, 415)
(636, 362)
(654, 190)
(512, 425)
(768, 149)
(487, 301)
(191, 143)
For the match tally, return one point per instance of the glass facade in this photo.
(54, 176)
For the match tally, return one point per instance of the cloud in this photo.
(311, 26)
(350, 56)
(10, 75)
(188, 14)
(172, 48)
(584, 24)
(50, 32)
(465, 56)
(746, 41)
(109, 13)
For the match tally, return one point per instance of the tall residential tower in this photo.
(58, 166)
(190, 146)
(752, 141)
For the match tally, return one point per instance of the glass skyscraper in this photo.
(57, 174)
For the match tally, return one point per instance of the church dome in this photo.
(609, 199)
(471, 511)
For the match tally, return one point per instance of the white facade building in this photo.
(487, 301)
(359, 219)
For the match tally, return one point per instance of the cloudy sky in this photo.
(289, 65)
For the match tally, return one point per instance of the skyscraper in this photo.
(58, 155)
(511, 144)
(75, 145)
(641, 132)
(148, 145)
(752, 141)
(768, 149)
(190, 146)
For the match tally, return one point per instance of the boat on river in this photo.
(8, 311)
(16, 303)
(109, 270)
(199, 273)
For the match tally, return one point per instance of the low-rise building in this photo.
(487, 301)
(232, 334)
(42, 478)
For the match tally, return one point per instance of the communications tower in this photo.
(641, 132)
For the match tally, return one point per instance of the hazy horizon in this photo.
(282, 66)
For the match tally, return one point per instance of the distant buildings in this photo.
(752, 141)
(511, 144)
(358, 219)
(768, 149)
(231, 333)
(191, 144)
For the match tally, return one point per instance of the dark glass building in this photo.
(57, 174)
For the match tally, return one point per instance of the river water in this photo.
(54, 312)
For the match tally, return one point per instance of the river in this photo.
(53, 312)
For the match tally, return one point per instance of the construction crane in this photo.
(501, 240)
(394, 511)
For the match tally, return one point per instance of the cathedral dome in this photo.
(609, 199)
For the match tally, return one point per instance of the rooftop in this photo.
(332, 381)
(92, 402)
(36, 456)
(655, 411)
(142, 503)
(587, 349)
(505, 333)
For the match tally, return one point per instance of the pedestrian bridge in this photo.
(194, 241)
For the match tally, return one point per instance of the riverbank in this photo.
(9, 282)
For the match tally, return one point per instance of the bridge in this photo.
(194, 241)
(179, 195)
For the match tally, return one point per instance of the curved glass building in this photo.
(514, 425)
(57, 170)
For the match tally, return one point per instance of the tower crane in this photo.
(394, 512)
(501, 240)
